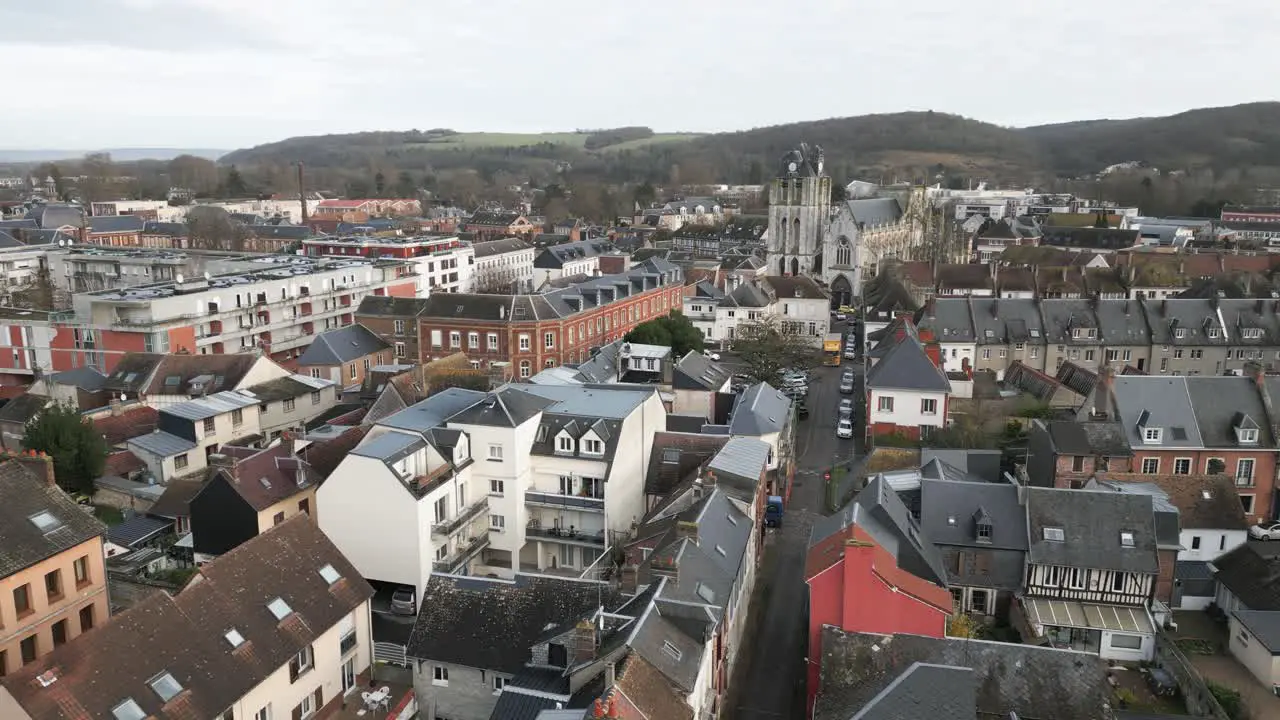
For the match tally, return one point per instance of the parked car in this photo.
(839, 316)
(844, 429)
(1265, 531)
(796, 392)
(850, 352)
(711, 355)
(846, 407)
(846, 384)
(802, 410)
(402, 601)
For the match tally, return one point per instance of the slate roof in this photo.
(760, 410)
(1159, 401)
(324, 457)
(802, 287)
(1091, 522)
(949, 513)
(175, 502)
(184, 635)
(133, 373)
(1195, 577)
(1031, 681)
(1088, 238)
(1220, 403)
(130, 423)
(266, 477)
(115, 224)
(675, 455)
(1264, 625)
(505, 407)
(874, 212)
(949, 319)
(391, 306)
(138, 529)
(22, 408)
(556, 256)
(1063, 316)
(22, 542)
(487, 217)
(500, 246)
(1004, 322)
(174, 375)
(925, 690)
(906, 366)
(342, 345)
(696, 371)
(86, 378)
(433, 411)
(1089, 438)
(708, 563)
(492, 624)
(1252, 573)
(1185, 322)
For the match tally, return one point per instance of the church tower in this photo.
(799, 209)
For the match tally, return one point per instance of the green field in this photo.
(569, 139)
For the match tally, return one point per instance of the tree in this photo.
(768, 346)
(78, 450)
(645, 194)
(211, 228)
(234, 185)
(674, 331)
(99, 177)
(200, 175)
(380, 184)
(405, 186)
(839, 193)
(961, 626)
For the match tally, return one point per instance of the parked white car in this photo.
(844, 429)
(711, 355)
(1265, 531)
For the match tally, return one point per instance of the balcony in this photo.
(459, 557)
(469, 513)
(571, 536)
(564, 502)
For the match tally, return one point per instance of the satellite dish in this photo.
(62, 243)
(123, 397)
(207, 276)
(179, 278)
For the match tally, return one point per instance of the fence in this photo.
(390, 653)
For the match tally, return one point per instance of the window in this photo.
(165, 686)
(436, 338)
(180, 462)
(986, 353)
(1246, 502)
(279, 608)
(1117, 581)
(671, 650)
(1126, 642)
(233, 638)
(1215, 466)
(81, 569)
(1054, 534)
(978, 601)
(53, 586)
(1150, 466)
(1126, 539)
(329, 574)
(237, 419)
(455, 339)
(399, 349)
(440, 510)
(86, 618)
(473, 341)
(495, 452)
(1195, 542)
(496, 487)
(22, 600)
(59, 632)
(351, 371)
(885, 403)
(307, 707)
(128, 710)
(984, 532)
(1182, 466)
(491, 341)
(592, 447)
(399, 327)
(497, 522)
(1244, 472)
(208, 426)
(564, 443)
(301, 663)
(929, 406)
(1152, 435)
(1077, 463)
(548, 340)
(1247, 435)
(498, 684)
(277, 519)
(524, 342)
(1033, 352)
(440, 676)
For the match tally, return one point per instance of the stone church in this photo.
(799, 210)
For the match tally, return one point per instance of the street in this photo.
(769, 683)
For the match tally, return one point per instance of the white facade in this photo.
(954, 355)
(513, 268)
(1253, 654)
(907, 408)
(450, 271)
(1209, 545)
(809, 319)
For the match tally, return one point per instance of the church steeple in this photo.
(799, 208)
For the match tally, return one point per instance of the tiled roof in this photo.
(1252, 573)
(341, 346)
(135, 421)
(1092, 523)
(175, 502)
(391, 305)
(324, 457)
(1204, 502)
(27, 501)
(175, 373)
(268, 476)
(675, 455)
(185, 635)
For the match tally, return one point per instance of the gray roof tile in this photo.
(1091, 522)
(22, 542)
(760, 410)
(341, 346)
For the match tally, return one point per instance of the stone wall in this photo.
(1195, 692)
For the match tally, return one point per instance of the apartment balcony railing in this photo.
(469, 513)
(564, 502)
(462, 554)
(572, 536)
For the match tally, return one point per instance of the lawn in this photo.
(657, 139)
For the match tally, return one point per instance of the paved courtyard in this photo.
(1214, 662)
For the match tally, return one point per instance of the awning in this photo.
(1069, 613)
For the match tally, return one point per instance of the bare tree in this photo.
(770, 345)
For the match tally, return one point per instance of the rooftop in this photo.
(37, 521)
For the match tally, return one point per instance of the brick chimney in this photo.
(1102, 394)
(40, 465)
(287, 441)
(628, 579)
(584, 642)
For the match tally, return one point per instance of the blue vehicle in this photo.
(773, 511)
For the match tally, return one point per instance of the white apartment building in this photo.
(443, 263)
(556, 262)
(504, 265)
(277, 306)
(541, 478)
(796, 304)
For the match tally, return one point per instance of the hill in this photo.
(117, 154)
(904, 145)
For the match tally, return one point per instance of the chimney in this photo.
(1255, 371)
(302, 195)
(287, 441)
(628, 580)
(1164, 306)
(687, 529)
(40, 465)
(1102, 394)
(584, 642)
(226, 462)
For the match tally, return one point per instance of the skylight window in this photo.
(670, 455)
(1126, 539)
(706, 593)
(165, 686)
(280, 608)
(1054, 534)
(329, 574)
(234, 638)
(128, 710)
(667, 647)
(732, 520)
(720, 551)
(45, 521)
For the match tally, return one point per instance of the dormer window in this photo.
(1251, 333)
(1247, 436)
(592, 446)
(1152, 435)
(1214, 333)
(984, 532)
(1180, 333)
(564, 444)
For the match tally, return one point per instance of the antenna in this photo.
(179, 278)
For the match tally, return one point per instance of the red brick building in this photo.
(493, 225)
(533, 332)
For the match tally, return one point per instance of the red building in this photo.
(869, 569)
(1241, 213)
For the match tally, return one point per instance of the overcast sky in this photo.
(233, 73)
